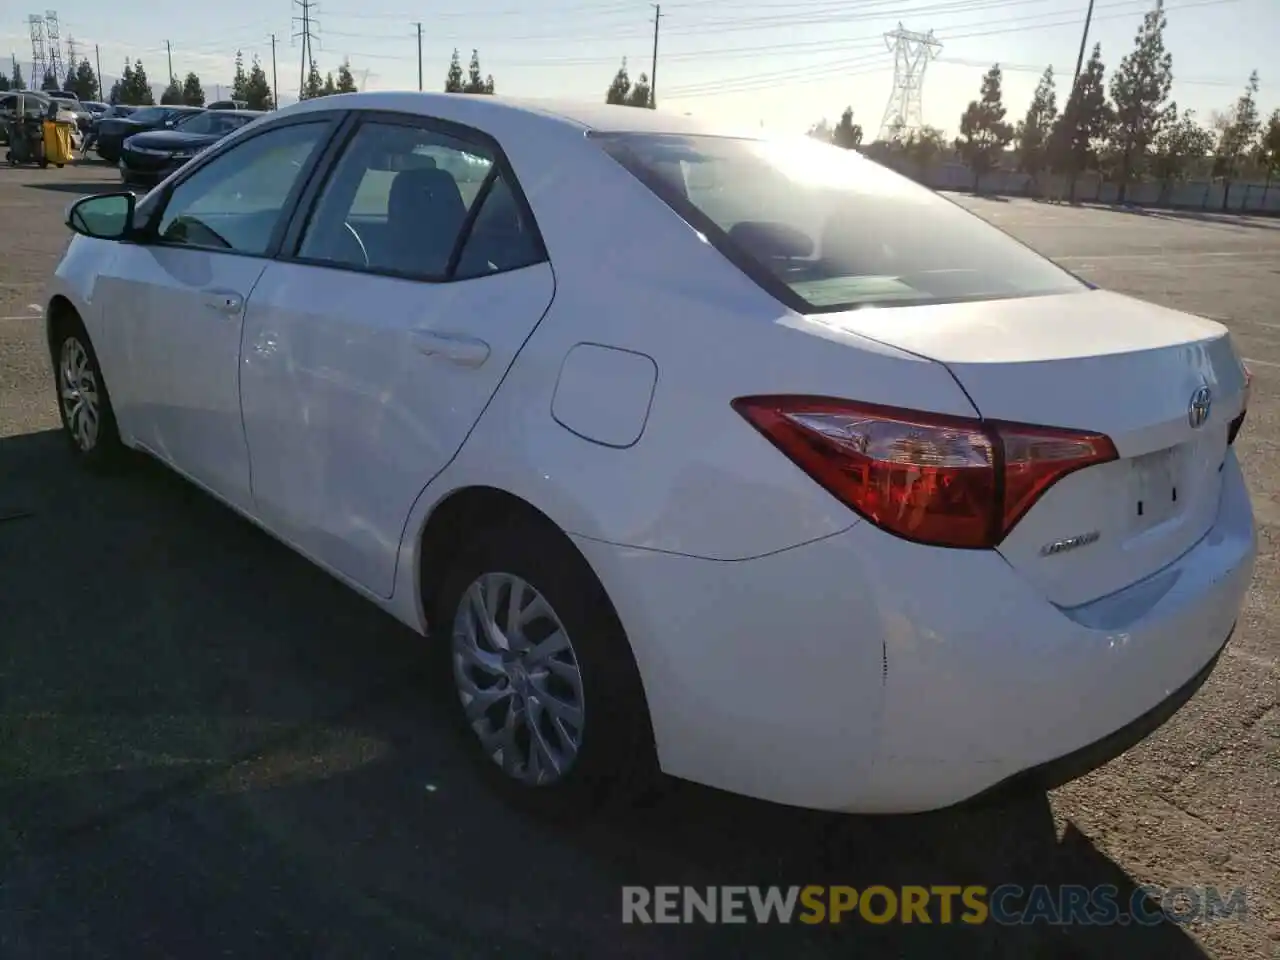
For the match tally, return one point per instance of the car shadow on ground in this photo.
(82, 188)
(213, 746)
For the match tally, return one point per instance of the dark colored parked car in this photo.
(228, 105)
(113, 131)
(148, 158)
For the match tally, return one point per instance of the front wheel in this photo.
(547, 688)
(84, 405)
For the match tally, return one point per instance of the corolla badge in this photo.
(1201, 404)
(1070, 543)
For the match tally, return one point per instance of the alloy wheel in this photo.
(518, 678)
(78, 388)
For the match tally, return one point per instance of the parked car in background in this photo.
(229, 105)
(96, 108)
(147, 158)
(113, 131)
(35, 104)
(84, 116)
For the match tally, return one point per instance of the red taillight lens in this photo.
(1238, 422)
(941, 480)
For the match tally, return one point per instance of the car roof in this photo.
(238, 113)
(577, 114)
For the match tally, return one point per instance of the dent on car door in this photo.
(369, 356)
(176, 302)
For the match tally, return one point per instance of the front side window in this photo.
(834, 230)
(235, 202)
(397, 201)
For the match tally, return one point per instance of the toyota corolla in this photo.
(741, 459)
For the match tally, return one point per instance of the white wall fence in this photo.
(1250, 197)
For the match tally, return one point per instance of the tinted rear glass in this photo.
(834, 229)
(151, 114)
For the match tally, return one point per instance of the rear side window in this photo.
(825, 229)
(401, 198)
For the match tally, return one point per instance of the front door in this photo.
(369, 357)
(180, 302)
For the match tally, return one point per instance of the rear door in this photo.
(415, 277)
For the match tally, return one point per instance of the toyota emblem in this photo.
(1201, 403)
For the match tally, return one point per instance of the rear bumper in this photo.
(1055, 773)
(867, 674)
(132, 170)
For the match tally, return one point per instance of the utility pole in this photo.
(168, 49)
(419, 26)
(653, 69)
(309, 25)
(1084, 42)
(97, 58)
(275, 86)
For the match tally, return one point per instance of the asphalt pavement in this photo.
(208, 748)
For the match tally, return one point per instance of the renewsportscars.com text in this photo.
(1008, 904)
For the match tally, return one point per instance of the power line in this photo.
(305, 35)
(54, 38)
(1013, 26)
(912, 52)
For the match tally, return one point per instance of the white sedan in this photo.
(745, 460)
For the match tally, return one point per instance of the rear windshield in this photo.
(213, 123)
(151, 114)
(826, 229)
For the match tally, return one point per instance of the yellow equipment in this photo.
(57, 142)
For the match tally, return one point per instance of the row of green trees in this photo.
(81, 80)
(1127, 130)
(475, 80)
(326, 86)
(623, 91)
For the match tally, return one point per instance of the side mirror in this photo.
(107, 216)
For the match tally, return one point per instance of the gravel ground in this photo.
(209, 748)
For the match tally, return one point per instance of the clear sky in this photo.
(783, 64)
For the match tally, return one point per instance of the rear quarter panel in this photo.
(699, 481)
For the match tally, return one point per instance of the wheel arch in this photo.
(467, 509)
(60, 311)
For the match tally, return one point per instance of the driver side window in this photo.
(235, 203)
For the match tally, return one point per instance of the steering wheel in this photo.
(360, 243)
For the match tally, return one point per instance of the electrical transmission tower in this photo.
(73, 58)
(911, 55)
(39, 60)
(309, 27)
(53, 41)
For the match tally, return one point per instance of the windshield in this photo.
(149, 115)
(828, 229)
(214, 123)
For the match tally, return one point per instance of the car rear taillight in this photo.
(1238, 422)
(935, 479)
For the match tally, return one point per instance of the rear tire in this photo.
(558, 728)
(84, 405)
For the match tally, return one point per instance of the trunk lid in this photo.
(1101, 362)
